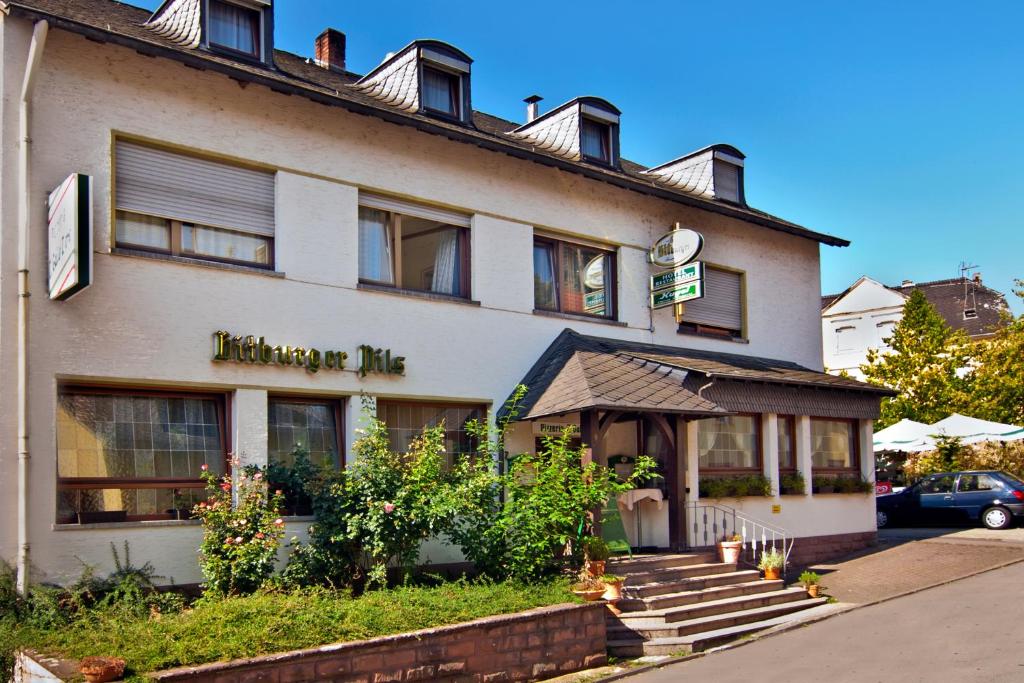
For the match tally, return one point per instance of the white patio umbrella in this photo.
(905, 435)
(972, 430)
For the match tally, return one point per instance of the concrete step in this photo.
(646, 563)
(659, 628)
(672, 574)
(659, 603)
(636, 646)
(710, 576)
(713, 605)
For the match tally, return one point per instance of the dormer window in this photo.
(727, 181)
(234, 27)
(595, 141)
(442, 92)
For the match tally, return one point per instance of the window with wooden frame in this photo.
(720, 312)
(442, 91)
(406, 420)
(573, 278)
(129, 455)
(787, 443)
(184, 205)
(308, 425)
(729, 444)
(413, 247)
(834, 445)
(596, 140)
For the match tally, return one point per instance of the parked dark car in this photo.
(993, 497)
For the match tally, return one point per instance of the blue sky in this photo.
(895, 125)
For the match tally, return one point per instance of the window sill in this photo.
(126, 525)
(185, 260)
(580, 318)
(719, 337)
(416, 294)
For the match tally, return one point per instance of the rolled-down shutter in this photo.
(430, 213)
(722, 305)
(157, 182)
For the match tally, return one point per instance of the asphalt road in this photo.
(965, 631)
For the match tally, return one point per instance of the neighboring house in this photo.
(861, 317)
(275, 237)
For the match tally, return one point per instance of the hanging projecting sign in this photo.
(678, 276)
(676, 248)
(69, 241)
(678, 294)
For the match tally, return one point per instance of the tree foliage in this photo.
(927, 363)
(998, 378)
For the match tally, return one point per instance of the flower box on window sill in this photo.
(792, 484)
(824, 484)
(180, 513)
(102, 517)
(740, 486)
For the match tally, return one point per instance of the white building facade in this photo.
(260, 261)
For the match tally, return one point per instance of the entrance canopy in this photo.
(912, 437)
(579, 372)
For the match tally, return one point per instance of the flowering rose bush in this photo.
(240, 540)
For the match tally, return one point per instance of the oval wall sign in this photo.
(676, 248)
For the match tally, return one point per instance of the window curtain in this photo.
(374, 246)
(446, 263)
(544, 277)
(440, 91)
(234, 27)
(595, 140)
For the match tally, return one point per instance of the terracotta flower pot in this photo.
(772, 573)
(595, 567)
(613, 591)
(812, 590)
(729, 551)
(101, 669)
(590, 595)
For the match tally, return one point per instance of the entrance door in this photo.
(657, 440)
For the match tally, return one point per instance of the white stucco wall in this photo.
(148, 322)
(857, 322)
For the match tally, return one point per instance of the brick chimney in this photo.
(330, 50)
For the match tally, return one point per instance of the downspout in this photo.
(35, 56)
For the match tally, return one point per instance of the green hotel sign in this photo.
(677, 294)
(678, 276)
(254, 350)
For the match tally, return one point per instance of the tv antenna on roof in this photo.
(970, 288)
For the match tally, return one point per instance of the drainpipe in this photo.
(35, 56)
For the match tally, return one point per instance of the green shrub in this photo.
(292, 481)
(595, 548)
(240, 540)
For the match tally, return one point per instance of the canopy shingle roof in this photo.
(579, 372)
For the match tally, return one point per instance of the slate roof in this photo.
(579, 372)
(122, 24)
(947, 296)
(178, 22)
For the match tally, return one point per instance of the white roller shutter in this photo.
(722, 305)
(430, 213)
(157, 182)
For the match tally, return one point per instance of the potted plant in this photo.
(771, 564)
(729, 549)
(596, 553)
(812, 582)
(101, 669)
(180, 509)
(589, 588)
(612, 587)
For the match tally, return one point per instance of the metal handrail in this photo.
(725, 522)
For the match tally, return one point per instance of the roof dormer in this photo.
(715, 172)
(242, 29)
(426, 77)
(583, 129)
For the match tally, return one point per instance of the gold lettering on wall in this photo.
(255, 351)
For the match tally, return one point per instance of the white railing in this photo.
(713, 523)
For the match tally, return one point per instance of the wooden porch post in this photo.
(677, 517)
(590, 436)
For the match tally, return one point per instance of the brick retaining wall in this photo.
(815, 549)
(526, 646)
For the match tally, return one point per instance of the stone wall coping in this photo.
(185, 672)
